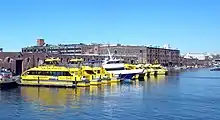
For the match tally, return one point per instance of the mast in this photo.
(110, 56)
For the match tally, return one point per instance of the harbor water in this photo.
(188, 95)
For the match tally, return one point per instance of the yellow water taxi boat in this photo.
(51, 73)
(155, 69)
(100, 72)
(149, 70)
(159, 70)
(49, 76)
(86, 72)
(130, 66)
(74, 66)
(133, 67)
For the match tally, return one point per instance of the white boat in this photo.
(6, 79)
(117, 67)
(216, 68)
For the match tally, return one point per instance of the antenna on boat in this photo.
(109, 54)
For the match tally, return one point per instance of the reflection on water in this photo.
(53, 98)
(61, 97)
(183, 96)
(157, 79)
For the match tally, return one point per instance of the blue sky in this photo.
(189, 25)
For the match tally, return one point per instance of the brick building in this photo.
(42, 47)
(139, 51)
(145, 54)
(55, 49)
(192, 59)
(19, 61)
(164, 56)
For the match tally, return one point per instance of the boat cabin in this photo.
(51, 61)
(77, 63)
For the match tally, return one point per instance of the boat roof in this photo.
(87, 68)
(3, 71)
(49, 68)
(115, 60)
(156, 65)
(52, 59)
(147, 65)
(76, 60)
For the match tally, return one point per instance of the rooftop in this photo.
(166, 46)
(101, 55)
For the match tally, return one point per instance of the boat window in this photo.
(26, 73)
(44, 73)
(108, 62)
(49, 73)
(112, 69)
(71, 62)
(66, 74)
(157, 68)
(89, 72)
(59, 73)
(75, 73)
(32, 73)
(51, 62)
(112, 62)
(53, 73)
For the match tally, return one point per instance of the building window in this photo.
(141, 51)
(8, 59)
(28, 60)
(116, 52)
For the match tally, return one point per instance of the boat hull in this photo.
(136, 71)
(215, 69)
(46, 83)
(8, 85)
(126, 76)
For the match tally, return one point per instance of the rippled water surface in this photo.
(188, 95)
